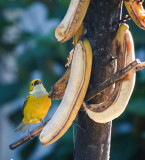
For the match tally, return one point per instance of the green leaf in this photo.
(9, 92)
(123, 147)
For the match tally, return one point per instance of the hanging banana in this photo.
(117, 102)
(74, 94)
(72, 20)
(136, 12)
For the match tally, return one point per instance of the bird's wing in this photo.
(26, 100)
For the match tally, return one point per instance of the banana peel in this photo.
(58, 89)
(74, 94)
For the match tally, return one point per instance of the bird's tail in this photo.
(22, 127)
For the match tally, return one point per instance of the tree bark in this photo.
(101, 27)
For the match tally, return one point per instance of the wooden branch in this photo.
(94, 144)
(28, 137)
(140, 67)
(135, 65)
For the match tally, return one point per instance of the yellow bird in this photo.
(35, 106)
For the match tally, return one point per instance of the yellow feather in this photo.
(36, 109)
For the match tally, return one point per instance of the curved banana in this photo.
(72, 20)
(74, 94)
(118, 101)
(118, 48)
(136, 12)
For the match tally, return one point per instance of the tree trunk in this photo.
(101, 27)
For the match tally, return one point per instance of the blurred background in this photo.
(28, 51)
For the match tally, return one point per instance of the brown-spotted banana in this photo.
(74, 94)
(72, 20)
(117, 102)
(136, 12)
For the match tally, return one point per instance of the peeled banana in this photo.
(72, 20)
(74, 94)
(117, 102)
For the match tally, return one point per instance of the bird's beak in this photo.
(37, 82)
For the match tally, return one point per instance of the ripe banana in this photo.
(74, 94)
(136, 12)
(72, 20)
(117, 102)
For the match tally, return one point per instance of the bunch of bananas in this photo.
(72, 87)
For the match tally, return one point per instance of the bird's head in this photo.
(34, 83)
(37, 89)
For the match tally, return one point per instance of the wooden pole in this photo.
(101, 27)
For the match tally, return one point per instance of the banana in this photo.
(72, 20)
(74, 94)
(117, 102)
(118, 48)
(136, 12)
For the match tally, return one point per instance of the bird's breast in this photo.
(36, 109)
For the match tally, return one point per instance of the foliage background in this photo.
(27, 51)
